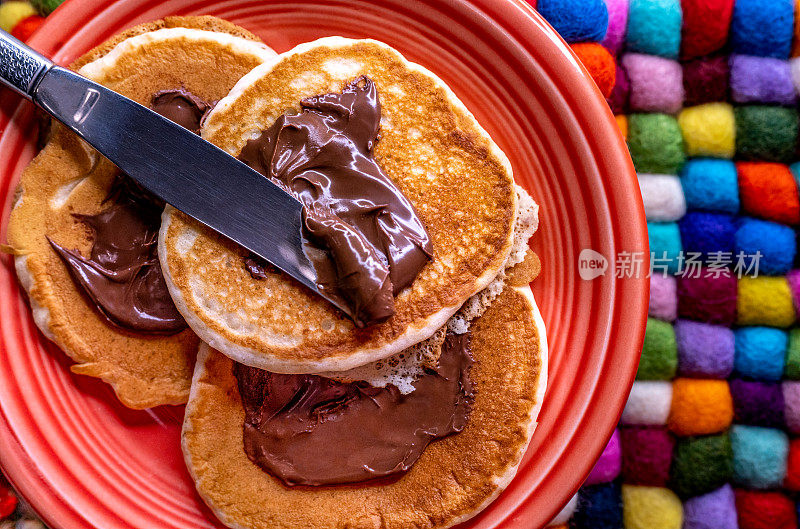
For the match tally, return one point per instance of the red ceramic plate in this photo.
(83, 460)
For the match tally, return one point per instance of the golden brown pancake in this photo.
(205, 55)
(433, 149)
(453, 480)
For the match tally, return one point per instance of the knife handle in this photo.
(20, 66)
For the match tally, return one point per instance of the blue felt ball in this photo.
(599, 507)
(759, 456)
(586, 20)
(654, 27)
(763, 27)
(665, 246)
(711, 184)
(759, 353)
(707, 233)
(795, 167)
(774, 241)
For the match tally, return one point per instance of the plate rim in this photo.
(48, 502)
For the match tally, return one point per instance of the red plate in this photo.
(83, 460)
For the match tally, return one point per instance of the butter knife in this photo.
(173, 163)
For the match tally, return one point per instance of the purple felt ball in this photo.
(663, 297)
(618, 100)
(656, 83)
(646, 455)
(757, 403)
(704, 350)
(761, 80)
(715, 510)
(608, 466)
(617, 24)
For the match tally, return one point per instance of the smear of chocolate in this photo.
(122, 275)
(182, 107)
(363, 236)
(310, 430)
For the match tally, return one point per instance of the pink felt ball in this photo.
(608, 466)
(617, 24)
(656, 83)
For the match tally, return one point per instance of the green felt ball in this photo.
(767, 133)
(792, 370)
(45, 7)
(701, 464)
(655, 143)
(659, 353)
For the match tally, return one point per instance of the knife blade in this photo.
(181, 168)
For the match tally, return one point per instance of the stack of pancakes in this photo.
(476, 282)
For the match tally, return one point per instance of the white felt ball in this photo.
(663, 197)
(29, 524)
(649, 403)
(566, 513)
(794, 65)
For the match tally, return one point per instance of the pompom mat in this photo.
(707, 99)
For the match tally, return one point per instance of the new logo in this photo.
(591, 264)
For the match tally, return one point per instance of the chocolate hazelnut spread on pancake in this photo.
(363, 236)
(122, 275)
(182, 107)
(310, 430)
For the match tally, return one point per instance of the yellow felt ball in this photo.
(766, 301)
(13, 12)
(650, 508)
(709, 130)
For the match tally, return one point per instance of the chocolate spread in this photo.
(362, 235)
(310, 430)
(182, 107)
(122, 275)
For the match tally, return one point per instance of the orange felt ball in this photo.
(25, 27)
(796, 39)
(600, 64)
(622, 123)
(700, 407)
(769, 191)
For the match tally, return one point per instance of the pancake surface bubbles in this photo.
(434, 151)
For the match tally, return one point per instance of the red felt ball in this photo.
(25, 27)
(706, 80)
(600, 64)
(792, 480)
(705, 26)
(769, 191)
(765, 510)
(646, 456)
(8, 502)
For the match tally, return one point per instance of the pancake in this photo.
(455, 477)
(206, 56)
(434, 151)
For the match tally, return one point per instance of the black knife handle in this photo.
(20, 66)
